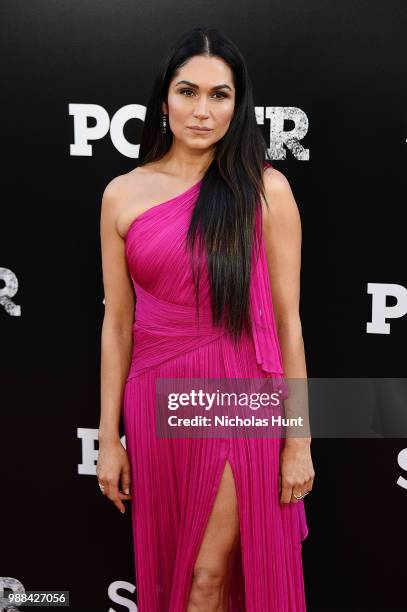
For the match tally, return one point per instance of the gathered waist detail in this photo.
(159, 316)
(162, 330)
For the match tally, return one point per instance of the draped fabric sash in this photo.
(268, 351)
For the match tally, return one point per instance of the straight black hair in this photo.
(224, 216)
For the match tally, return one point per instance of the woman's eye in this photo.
(218, 93)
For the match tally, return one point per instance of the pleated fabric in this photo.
(174, 481)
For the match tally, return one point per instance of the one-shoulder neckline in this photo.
(145, 212)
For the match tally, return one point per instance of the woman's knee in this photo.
(207, 582)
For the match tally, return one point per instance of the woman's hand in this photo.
(296, 470)
(113, 464)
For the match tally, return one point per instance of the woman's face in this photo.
(202, 94)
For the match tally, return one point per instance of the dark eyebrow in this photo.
(222, 86)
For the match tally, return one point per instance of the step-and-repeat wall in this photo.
(329, 83)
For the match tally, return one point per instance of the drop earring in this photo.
(163, 123)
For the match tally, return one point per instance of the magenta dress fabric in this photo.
(175, 481)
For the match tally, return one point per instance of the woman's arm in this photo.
(116, 347)
(116, 339)
(282, 236)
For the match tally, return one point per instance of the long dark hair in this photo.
(224, 216)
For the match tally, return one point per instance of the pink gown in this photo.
(175, 481)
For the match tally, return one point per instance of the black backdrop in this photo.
(339, 64)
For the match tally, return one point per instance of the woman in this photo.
(218, 522)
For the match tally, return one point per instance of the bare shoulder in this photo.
(282, 206)
(119, 187)
(274, 178)
(113, 194)
(121, 195)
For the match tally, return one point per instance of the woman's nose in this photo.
(201, 108)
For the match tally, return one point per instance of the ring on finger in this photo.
(300, 496)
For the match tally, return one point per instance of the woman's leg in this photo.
(211, 578)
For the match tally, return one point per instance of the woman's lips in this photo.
(200, 130)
